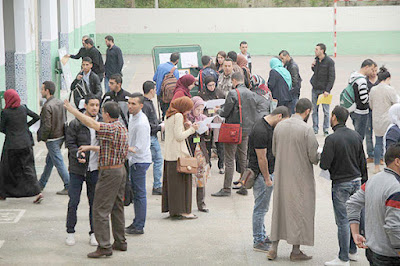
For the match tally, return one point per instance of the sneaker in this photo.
(222, 193)
(337, 262)
(70, 240)
(221, 171)
(299, 257)
(261, 247)
(353, 257)
(267, 240)
(242, 191)
(131, 226)
(157, 191)
(93, 241)
(62, 192)
(134, 231)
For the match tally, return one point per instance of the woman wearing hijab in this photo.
(17, 169)
(381, 98)
(280, 82)
(213, 93)
(242, 63)
(183, 86)
(197, 144)
(177, 187)
(392, 135)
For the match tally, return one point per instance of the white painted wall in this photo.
(24, 28)
(88, 14)
(66, 16)
(218, 20)
(2, 51)
(49, 23)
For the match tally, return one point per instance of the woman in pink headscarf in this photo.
(183, 86)
(198, 146)
(242, 63)
(17, 168)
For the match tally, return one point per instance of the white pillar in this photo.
(66, 22)
(25, 69)
(49, 37)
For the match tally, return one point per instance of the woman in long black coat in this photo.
(17, 168)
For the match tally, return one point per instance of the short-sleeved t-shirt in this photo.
(261, 138)
(113, 140)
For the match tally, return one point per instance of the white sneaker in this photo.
(93, 241)
(337, 262)
(353, 257)
(70, 241)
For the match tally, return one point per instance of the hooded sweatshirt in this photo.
(360, 92)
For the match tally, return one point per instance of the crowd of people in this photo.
(113, 140)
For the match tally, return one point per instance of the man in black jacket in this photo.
(119, 95)
(114, 60)
(343, 155)
(322, 83)
(95, 55)
(83, 148)
(149, 90)
(82, 52)
(86, 82)
(293, 69)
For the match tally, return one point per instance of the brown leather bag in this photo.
(188, 165)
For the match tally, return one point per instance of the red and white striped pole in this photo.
(334, 29)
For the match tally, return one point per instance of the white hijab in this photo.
(394, 114)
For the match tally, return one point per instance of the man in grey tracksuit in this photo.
(380, 196)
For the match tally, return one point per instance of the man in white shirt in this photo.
(139, 160)
(243, 51)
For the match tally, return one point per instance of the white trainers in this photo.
(93, 241)
(337, 262)
(353, 257)
(70, 241)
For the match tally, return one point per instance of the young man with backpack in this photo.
(206, 71)
(355, 96)
(161, 77)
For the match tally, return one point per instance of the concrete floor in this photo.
(35, 234)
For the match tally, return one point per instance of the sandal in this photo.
(38, 199)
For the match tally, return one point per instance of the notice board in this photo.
(189, 61)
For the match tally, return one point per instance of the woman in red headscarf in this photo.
(183, 86)
(177, 187)
(17, 168)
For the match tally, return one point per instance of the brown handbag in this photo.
(232, 133)
(187, 165)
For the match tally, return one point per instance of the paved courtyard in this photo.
(35, 234)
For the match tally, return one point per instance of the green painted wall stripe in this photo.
(349, 43)
(32, 85)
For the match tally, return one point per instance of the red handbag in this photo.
(232, 133)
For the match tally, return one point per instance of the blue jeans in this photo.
(378, 151)
(157, 159)
(325, 108)
(368, 136)
(262, 197)
(54, 158)
(107, 88)
(360, 123)
(74, 193)
(341, 192)
(293, 103)
(137, 175)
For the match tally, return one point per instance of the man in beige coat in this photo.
(295, 148)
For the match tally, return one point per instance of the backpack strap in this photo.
(172, 70)
(240, 106)
(201, 79)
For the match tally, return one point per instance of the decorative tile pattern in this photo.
(10, 70)
(64, 40)
(21, 85)
(45, 61)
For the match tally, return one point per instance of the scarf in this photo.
(180, 105)
(197, 101)
(12, 99)
(276, 64)
(183, 83)
(242, 62)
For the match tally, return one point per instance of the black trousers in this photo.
(379, 260)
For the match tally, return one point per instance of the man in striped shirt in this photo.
(110, 188)
(359, 83)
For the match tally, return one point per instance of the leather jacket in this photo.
(52, 120)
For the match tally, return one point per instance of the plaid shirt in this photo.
(113, 139)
